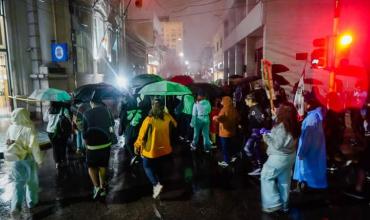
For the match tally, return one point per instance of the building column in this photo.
(250, 50)
(239, 59)
(232, 60)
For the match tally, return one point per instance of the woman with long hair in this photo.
(153, 143)
(277, 171)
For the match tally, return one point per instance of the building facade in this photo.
(218, 55)
(90, 30)
(172, 35)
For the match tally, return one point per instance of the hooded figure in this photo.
(23, 152)
(310, 164)
(228, 120)
(200, 122)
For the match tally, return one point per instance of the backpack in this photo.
(64, 126)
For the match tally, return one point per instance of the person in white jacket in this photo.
(24, 155)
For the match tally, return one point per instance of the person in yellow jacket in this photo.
(153, 142)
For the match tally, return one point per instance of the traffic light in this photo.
(319, 56)
(343, 49)
(139, 3)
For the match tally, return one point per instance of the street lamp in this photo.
(181, 54)
(186, 62)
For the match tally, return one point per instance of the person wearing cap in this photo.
(97, 131)
(154, 143)
(200, 121)
(310, 164)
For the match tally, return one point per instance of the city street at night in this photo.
(184, 109)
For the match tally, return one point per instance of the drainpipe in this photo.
(34, 38)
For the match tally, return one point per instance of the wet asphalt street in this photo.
(195, 188)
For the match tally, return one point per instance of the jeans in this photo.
(275, 181)
(153, 168)
(225, 143)
(26, 183)
(252, 146)
(202, 126)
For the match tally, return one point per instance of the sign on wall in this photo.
(59, 52)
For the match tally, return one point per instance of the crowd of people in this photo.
(279, 145)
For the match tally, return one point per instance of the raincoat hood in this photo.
(20, 116)
(226, 102)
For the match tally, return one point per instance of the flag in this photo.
(298, 97)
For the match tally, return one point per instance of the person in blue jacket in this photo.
(310, 164)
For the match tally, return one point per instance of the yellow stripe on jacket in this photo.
(159, 143)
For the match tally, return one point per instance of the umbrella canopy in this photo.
(279, 68)
(210, 90)
(50, 94)
(102, 90)
(280, 79)
(249, 79)
(236, 77)
(182, 79)
(139, 81)
(165, 88)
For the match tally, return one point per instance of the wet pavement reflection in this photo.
(195, 188)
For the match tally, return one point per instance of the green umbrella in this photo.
(165, 88)
(50, 94)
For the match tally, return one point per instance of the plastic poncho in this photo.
(310, 165)
(24, 134)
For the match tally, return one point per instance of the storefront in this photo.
(5, 108)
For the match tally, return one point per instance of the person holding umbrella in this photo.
(98, 133)
(154, 144)
(59, 129)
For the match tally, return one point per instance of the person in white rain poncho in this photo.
(23, 154)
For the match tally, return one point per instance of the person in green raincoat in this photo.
(200, 121)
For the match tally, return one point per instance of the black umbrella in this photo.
(280, 79)
(279, 68)
(209, 90)
(102, 90)
(142, 80)
(249, 79)
(236, 77)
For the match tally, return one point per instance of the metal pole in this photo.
(334, 61)
(73, 42)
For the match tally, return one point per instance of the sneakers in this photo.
(96, 192)
(233, 159)
(103, 192)
(157, 189)
(193, 147)
(213, 146)
(223, 164)
(255, 172)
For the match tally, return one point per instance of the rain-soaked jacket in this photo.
(201, 111)
(23, 136)
(154, 136)
(228, 118)
(310, 165)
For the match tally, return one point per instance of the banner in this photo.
(268, 81)
(298, 97)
